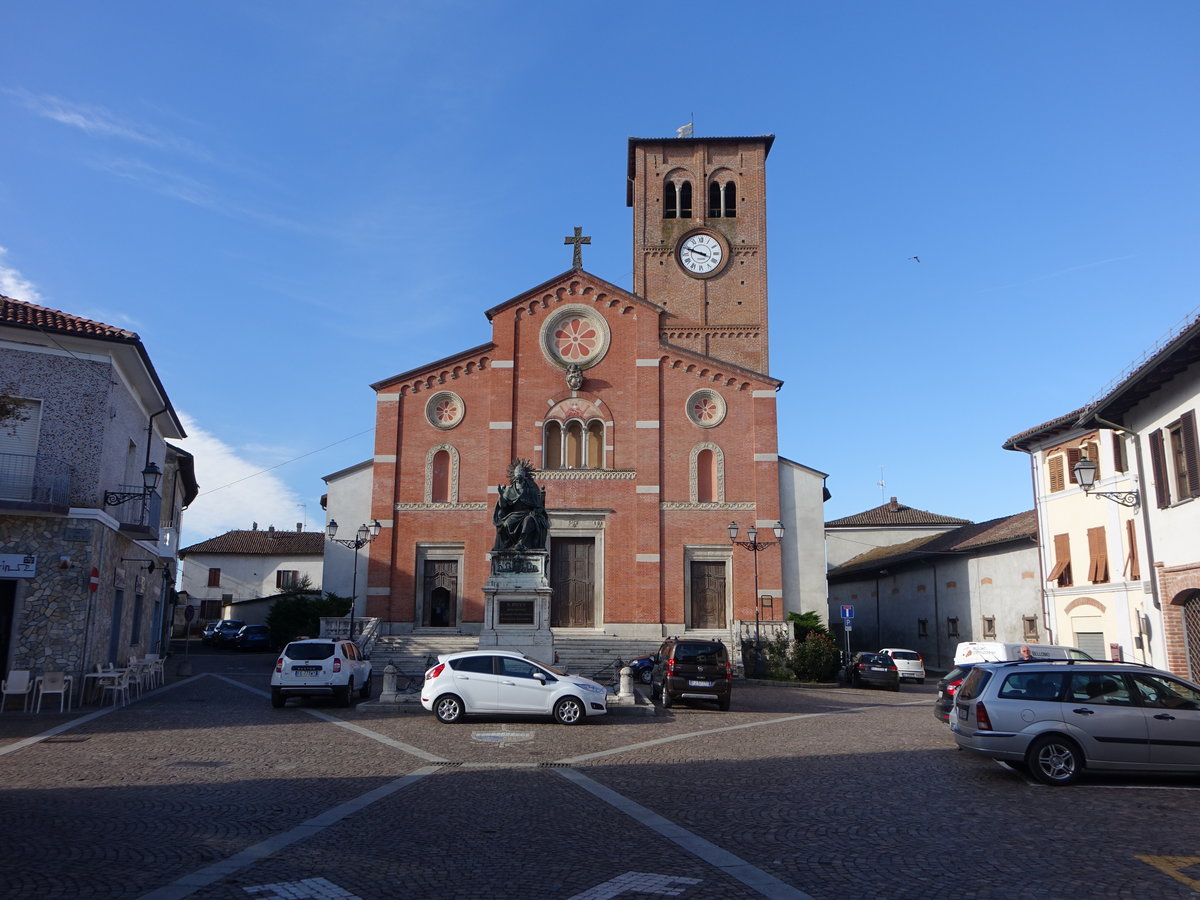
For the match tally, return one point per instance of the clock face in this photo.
(701, 254)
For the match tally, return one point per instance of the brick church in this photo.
(649, 418)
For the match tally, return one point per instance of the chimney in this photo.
(893, 506)
(271, 528)
(299, 528)
(254, 526)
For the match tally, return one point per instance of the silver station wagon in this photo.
(1057, 718)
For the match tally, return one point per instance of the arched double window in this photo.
(677, 200)
(722, 200)
(573, 444)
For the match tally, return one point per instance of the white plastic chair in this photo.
(154, 665)
(52, 683)
(118, 686)
(18, 682)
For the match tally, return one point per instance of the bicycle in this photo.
(411, 684)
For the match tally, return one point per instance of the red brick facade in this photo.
(1179, 587)
(674, 442)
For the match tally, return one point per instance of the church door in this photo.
(441, 589)
(572, 580)
(708, 595)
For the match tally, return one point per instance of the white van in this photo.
(996, 651)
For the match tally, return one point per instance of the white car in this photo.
(501, 682)
(908, 662)
(321, 667)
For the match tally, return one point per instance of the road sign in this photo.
(189, 613)
(847, 612)
(94, 581)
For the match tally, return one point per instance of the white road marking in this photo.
(308, 889)
(733, 866)
(637, 883)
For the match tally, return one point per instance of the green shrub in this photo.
(296, 615)
(816, 658)
(805, 624)
(778, 651)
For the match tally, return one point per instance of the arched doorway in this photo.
(1191, 632)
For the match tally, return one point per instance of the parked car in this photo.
(1058, 718)
(321, 667)
(500, 682)
(691, 669)
(909, 663)
(642, 668)
(999, 651)
(252, 637)
(873, 669)
(217, 633)
(947, 687)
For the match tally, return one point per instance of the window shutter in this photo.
(1135, 572)
(1098, 553)
(1062, 559)
(1073, 454)
(1120, 460)
(1158, 464)
(1187, 429)
(1056, 474)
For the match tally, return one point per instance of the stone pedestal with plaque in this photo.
(516, 605)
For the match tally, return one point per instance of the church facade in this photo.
(646, 415)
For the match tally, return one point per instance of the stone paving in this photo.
(201, 789)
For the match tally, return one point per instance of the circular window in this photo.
(444, 409)
(706, 408)
(577, 335)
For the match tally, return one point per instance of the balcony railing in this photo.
(130, 512)
(40, 480)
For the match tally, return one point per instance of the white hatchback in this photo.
(321, 667)
(908, 662)
(500, 682)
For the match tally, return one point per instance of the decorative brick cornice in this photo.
(686, 505)
(439, 506)
(586, 474)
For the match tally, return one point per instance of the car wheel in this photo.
(920, 681)
(277, 698)
(645, 676)
(1054, 760)
(342, 693)
(723, 703)
(855, 681)
(667, 701)
(365, 692)
(569, 711)
(897, 687)
(448, 709)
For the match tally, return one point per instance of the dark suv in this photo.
(222, 633)
(691, 669)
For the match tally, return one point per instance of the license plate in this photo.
(878, 669)
(306, 670)
(962, 713)
(700, 683)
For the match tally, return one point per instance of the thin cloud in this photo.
(1059, 274)
(97, 121)
(14, 284)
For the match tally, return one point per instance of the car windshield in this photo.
(904, 654)
(700, 654)
(320, 650)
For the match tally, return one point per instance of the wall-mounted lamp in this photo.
(1085, 475)
(150, 478)
(150, 566)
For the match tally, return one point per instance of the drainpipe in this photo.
(937, 619)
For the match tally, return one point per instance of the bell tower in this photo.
(700, 241)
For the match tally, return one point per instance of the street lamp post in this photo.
(366, 534)
(754, 545)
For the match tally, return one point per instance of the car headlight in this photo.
(594, 688)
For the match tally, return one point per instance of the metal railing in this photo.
(35, 479)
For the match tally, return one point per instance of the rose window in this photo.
(706, 408)
(444, 409)
(576, 335)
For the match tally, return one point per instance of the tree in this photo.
(298, 611)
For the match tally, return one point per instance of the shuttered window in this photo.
(1120, 454)
(1061, 573)
(1097, 556)
(1073, 455)
(1158, 464)
(1131, 560)
(214, 577)
(1190, 485)
(1057, 482)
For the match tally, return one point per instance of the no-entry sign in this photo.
(94, 581)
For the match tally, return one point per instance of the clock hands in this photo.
(700, 251)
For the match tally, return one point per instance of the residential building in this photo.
(975, 582)
(236, 575)
(91, 493)
(883, 526)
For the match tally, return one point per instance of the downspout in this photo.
(937, 619)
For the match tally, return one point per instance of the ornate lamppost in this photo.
(366, 534)
(754, 545)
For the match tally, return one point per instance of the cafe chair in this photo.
(52, 683)
(118, 686)
(20, 683)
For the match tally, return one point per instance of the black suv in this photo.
(691, 669)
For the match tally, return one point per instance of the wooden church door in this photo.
(572, 580)
(708, 595)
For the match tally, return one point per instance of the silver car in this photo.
(1059, 717)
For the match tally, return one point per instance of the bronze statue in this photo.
(520, 514)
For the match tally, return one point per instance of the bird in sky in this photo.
(917, 258)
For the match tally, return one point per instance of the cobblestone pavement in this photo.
(201, 789)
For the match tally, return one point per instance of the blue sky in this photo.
(290, 201)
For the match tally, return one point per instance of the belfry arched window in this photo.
(722, 200)
(677, 200)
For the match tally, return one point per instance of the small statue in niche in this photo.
(520, 513)
(574, 376)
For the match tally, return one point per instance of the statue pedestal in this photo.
(516, 605)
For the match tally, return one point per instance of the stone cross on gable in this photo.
(578, 240)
